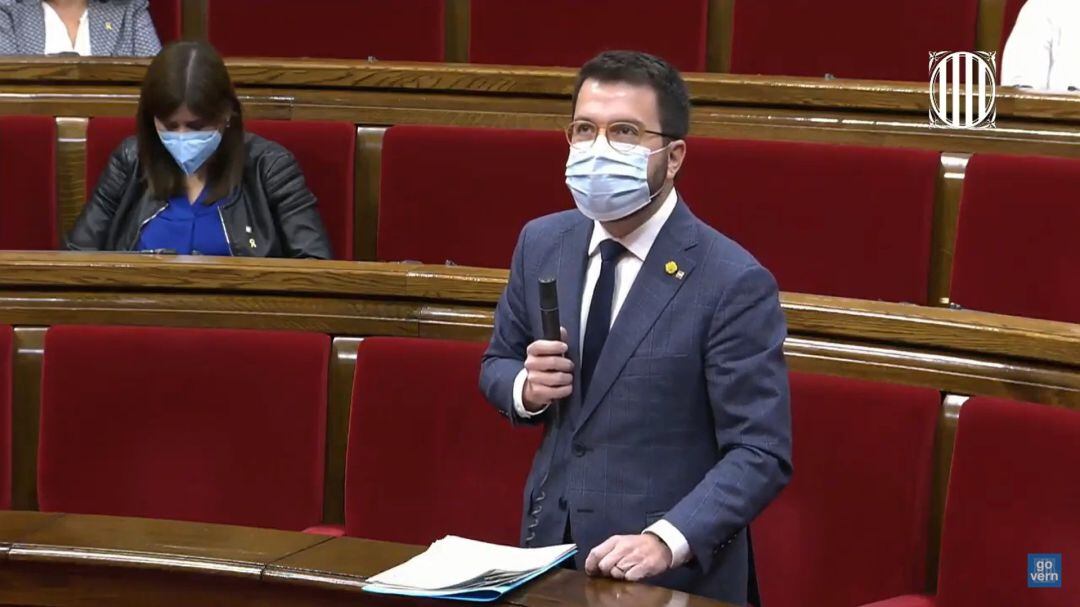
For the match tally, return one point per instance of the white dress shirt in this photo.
(637, 243)
(57, 39)
(1043, 51)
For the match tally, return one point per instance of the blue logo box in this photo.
(1044, 571)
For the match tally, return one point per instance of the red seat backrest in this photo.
(859, 500)
(218, 426)
(28, 182)
(809, 212)
(1013, 491)
(570, 32)
(7, 344)
(389, 30)
(463, 194)
(167, 17)
(427, 455)
(1016, 244)
(324, 150)
(848, 38)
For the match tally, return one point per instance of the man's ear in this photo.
(676, 156)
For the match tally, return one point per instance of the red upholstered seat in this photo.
(1016, 247)
(848, 38)
(463, 195)
(570, 32)
(427, 455)
(859, 501)
(1012, 492)
(907, 600)
(390, 30)
(27, 182)
(166, 16)
(7, 339)
(832, 220)
(219, 426)
(325, 151)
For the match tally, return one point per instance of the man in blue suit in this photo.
(665, 405)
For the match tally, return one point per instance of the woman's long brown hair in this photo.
(191, 74)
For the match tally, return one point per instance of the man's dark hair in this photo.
(643, 69)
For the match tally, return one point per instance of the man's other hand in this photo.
(629, 557)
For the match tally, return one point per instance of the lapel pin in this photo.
(680, 274)
(671, 267)
(108, 25)
(251, 241)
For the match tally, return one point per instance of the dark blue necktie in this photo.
(599, 322)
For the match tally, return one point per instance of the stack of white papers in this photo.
(468, 570)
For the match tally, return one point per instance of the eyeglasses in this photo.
(621, 136)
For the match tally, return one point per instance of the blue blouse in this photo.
(187, 228)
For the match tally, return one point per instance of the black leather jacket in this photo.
(271, 214)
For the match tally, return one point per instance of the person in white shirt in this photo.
(1043, 51)
(82, 27)
(666, 402)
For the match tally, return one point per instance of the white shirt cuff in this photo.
(675, 540)
(519, 396)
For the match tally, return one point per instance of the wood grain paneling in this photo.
(368, 179)
(950, 187)
(71, 186)
(336, 293)
(790, 109)
(458, 26)
(342, 372)
(720, 29)
(990, 27)
(952, 372)
(193, 24)
(25, 412)
(88, 561)
(944, 442)
(493, 81)
(904, 325)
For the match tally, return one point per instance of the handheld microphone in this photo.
(549, 309)
(549, 315)
(552, 330)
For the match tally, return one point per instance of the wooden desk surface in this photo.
(85, 560)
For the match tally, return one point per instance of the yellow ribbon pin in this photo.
(671, 267)
(108, 26)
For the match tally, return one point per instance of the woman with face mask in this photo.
(192, 181)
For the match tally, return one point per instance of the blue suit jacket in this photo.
(687, 418)
(118, 28)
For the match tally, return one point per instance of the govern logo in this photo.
(1044, 571)
(963, 89)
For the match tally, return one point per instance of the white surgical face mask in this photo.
(608, 184)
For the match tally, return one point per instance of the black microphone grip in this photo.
(549, 309)
(552, 330)
(549, 315)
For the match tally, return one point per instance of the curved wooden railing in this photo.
(955, 350)
(387, 93)
(64, 559)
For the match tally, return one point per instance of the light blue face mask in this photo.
(191, 149)
(607, 184)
